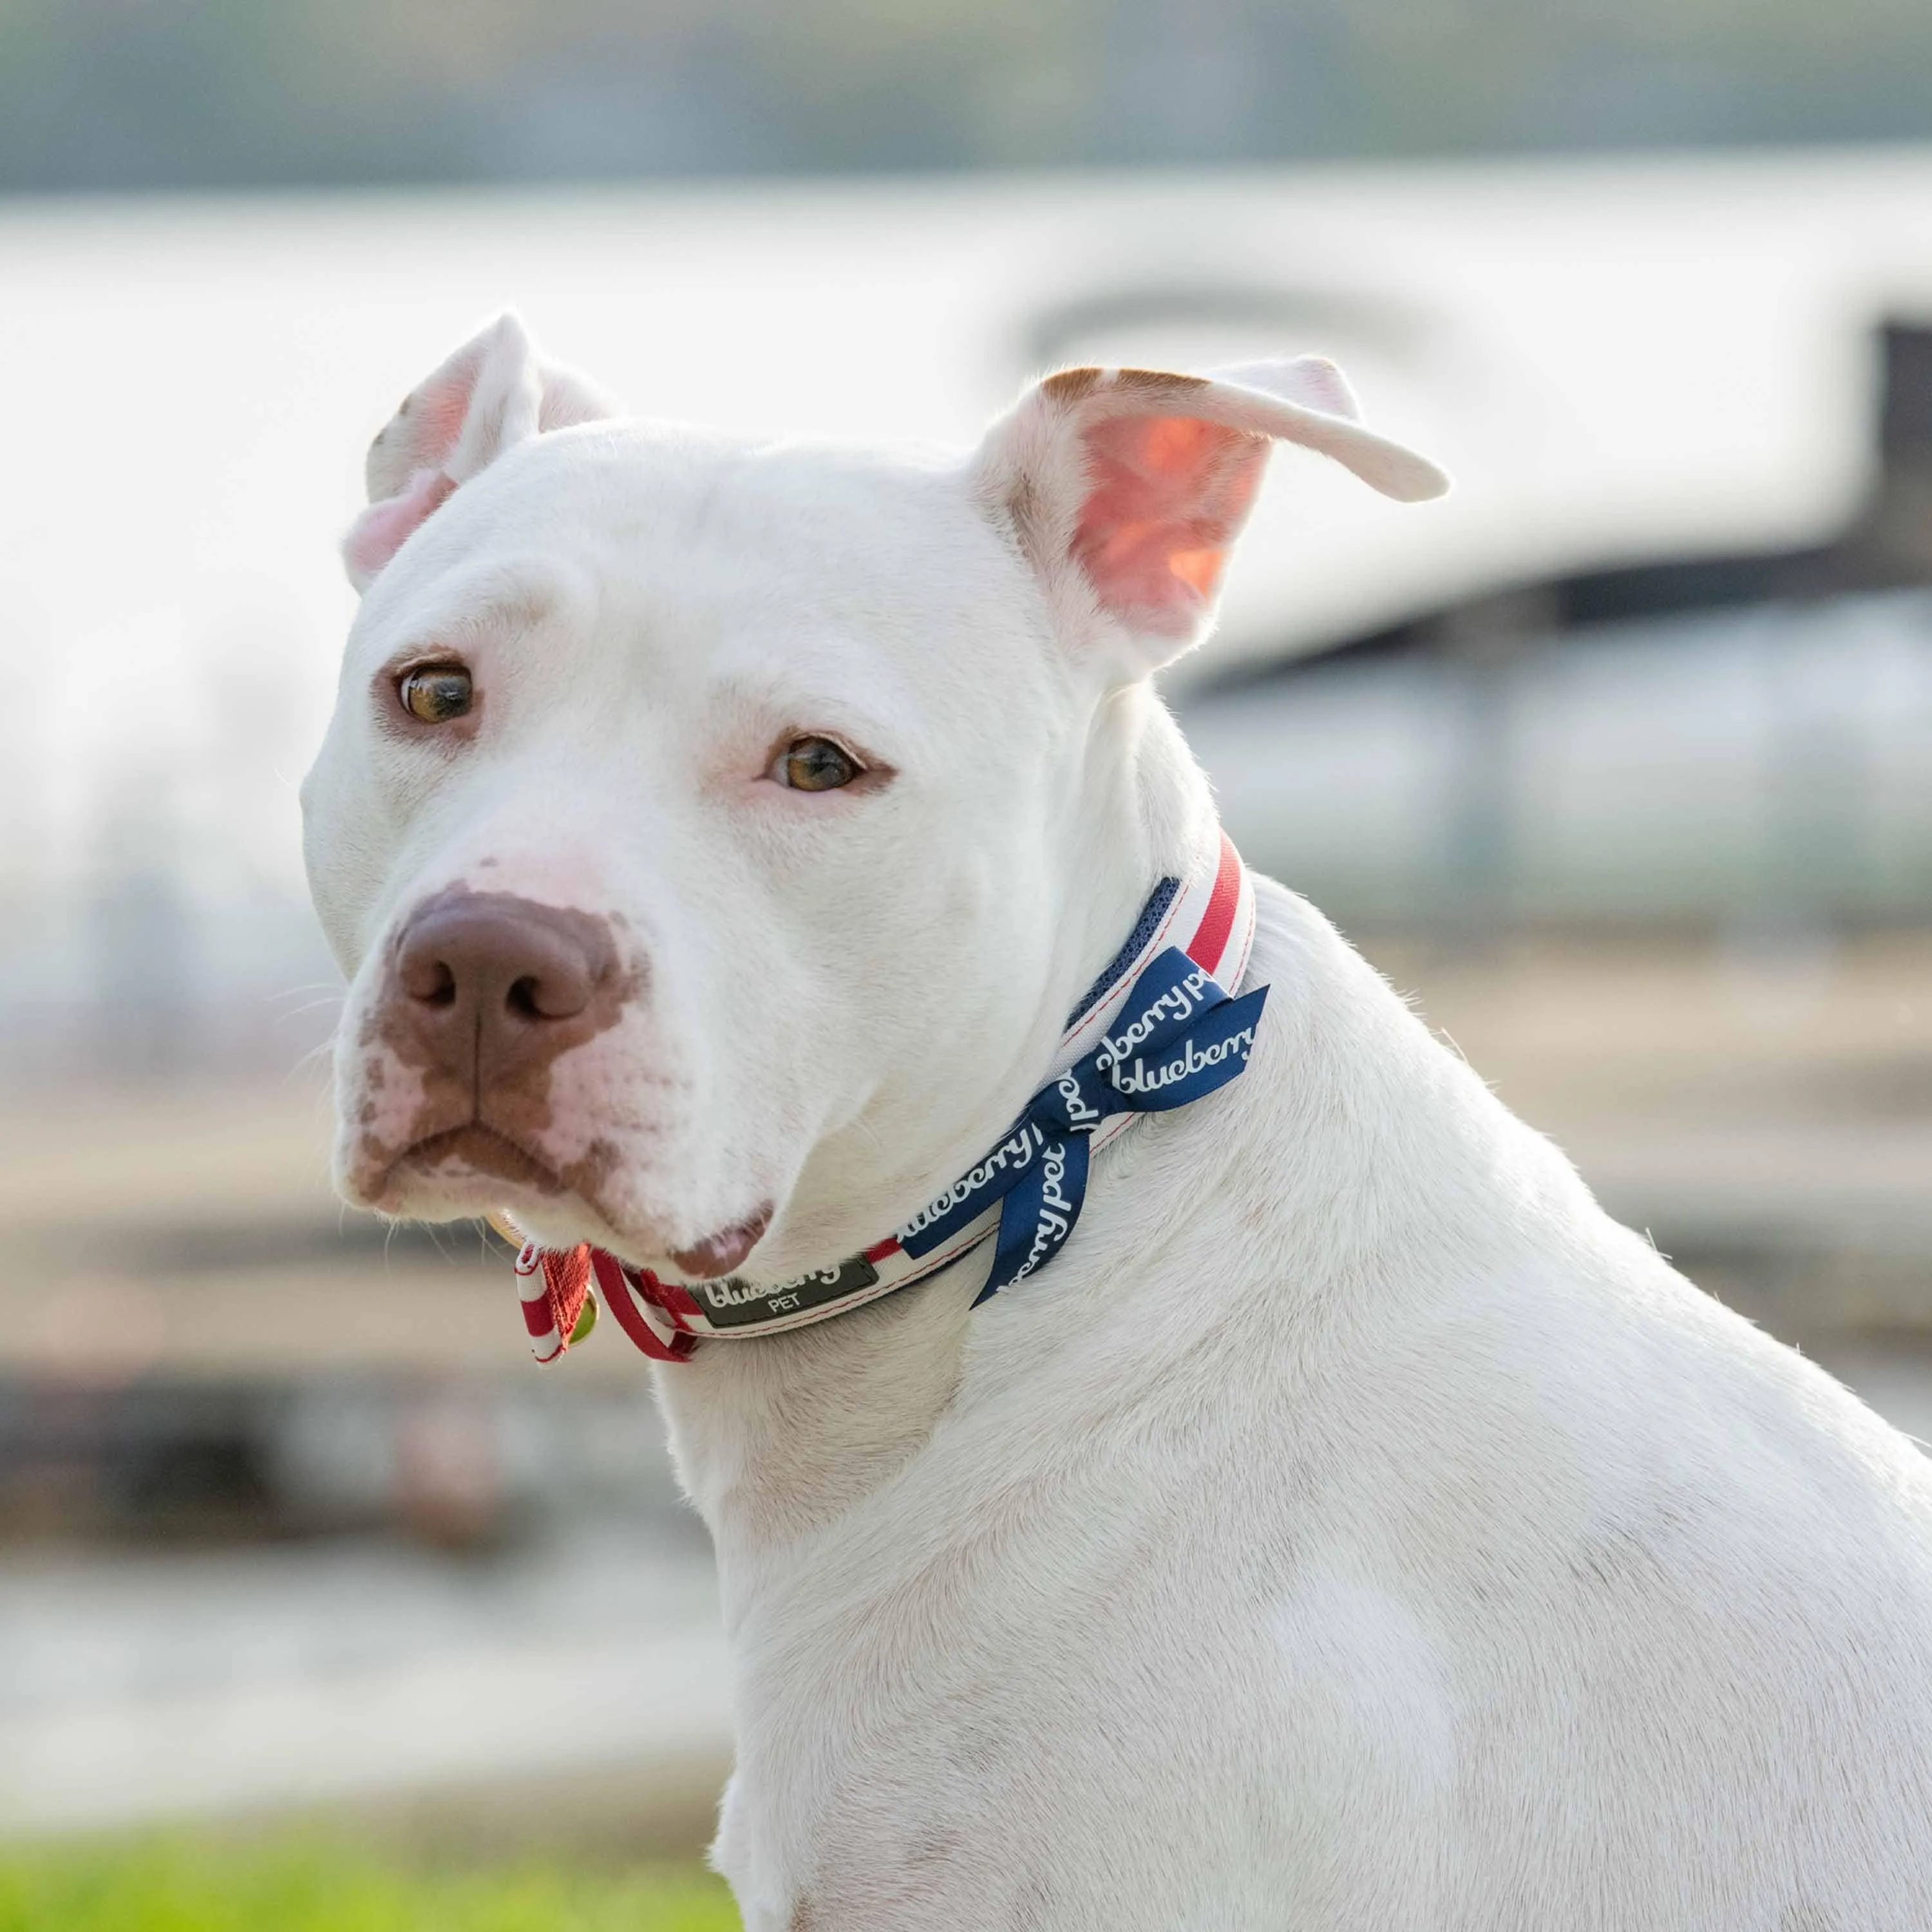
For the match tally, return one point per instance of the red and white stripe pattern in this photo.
(1211, 918)
(555, 1286)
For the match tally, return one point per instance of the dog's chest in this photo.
(1006, 1709)
(984, 1742)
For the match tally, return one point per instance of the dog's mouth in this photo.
(485, 1152)
(481, 1153)
(723, 1253)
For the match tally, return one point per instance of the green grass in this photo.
(186, 1885)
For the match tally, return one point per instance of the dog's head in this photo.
(716, 833)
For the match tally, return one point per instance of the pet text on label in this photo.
(732, 1304)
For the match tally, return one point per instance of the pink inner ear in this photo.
(438, 409)
(383, 528)
(1166, 495)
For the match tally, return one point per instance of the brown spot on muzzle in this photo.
(483, 993)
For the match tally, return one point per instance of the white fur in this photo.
(1353, 1527)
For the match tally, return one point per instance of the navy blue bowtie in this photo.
(1179, 1037)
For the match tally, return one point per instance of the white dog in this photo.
(1345, 1524)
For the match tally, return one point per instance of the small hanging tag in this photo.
(553, 1285)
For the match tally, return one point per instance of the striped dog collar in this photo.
(1158, 1029)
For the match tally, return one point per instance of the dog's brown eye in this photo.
(816, 764)
(435, 693)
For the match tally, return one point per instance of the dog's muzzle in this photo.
(482, 993)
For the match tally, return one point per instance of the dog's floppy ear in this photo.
(494, 392)
(1127, 488)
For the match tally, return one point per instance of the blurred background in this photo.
(1619, 760)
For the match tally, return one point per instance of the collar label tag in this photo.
(732, 1304)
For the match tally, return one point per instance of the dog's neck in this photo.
(1144, 810)
(773, 1436)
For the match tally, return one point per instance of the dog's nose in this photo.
(491, 980)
